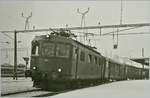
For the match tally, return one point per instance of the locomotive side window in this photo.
(82, 56)
(62, 50)
(75, 52)
(48, 49)
(95, 60)
(100, 61)
(35, 49)
(89, 58)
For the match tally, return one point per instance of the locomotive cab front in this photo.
(51, 60)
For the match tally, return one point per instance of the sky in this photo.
(46, 14)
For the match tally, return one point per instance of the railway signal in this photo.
(26, 59)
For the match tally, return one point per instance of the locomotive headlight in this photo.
(59, 70)
(34, 67)
(47, 36)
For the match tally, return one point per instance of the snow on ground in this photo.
(8, 85)
(121, 89)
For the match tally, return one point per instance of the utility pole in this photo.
(27, 21)
(83, 19)
(121, 11)
(15, 55)
(143, 64)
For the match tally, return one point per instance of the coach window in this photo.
(62, 50)
(82, 56)
(89, 58)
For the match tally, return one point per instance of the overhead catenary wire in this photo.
(139, 33)
(121, 30)
(112, 32)
(80, 28)
(123, 34)
(133, 26)
(10, 42)
(7, 35)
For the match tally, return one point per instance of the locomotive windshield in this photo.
(48, 49)
(61, 50)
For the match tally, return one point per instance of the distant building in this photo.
(7, 55)
(144, 61)
(7, 70)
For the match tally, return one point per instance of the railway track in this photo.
(32, 93)
(28, 93)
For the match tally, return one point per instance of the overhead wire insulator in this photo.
(115, 46)
(113, 35)
(117, 36)
(121, 11)
(100, 29)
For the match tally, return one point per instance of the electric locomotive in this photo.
(59, 62)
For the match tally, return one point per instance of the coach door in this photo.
(75, 61)
(107, 69)
(103, 67)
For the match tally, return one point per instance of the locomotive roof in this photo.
(121, 60)
(64, 39)
(86, 46)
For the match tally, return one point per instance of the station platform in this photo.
(120, 89)
(8, 85)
